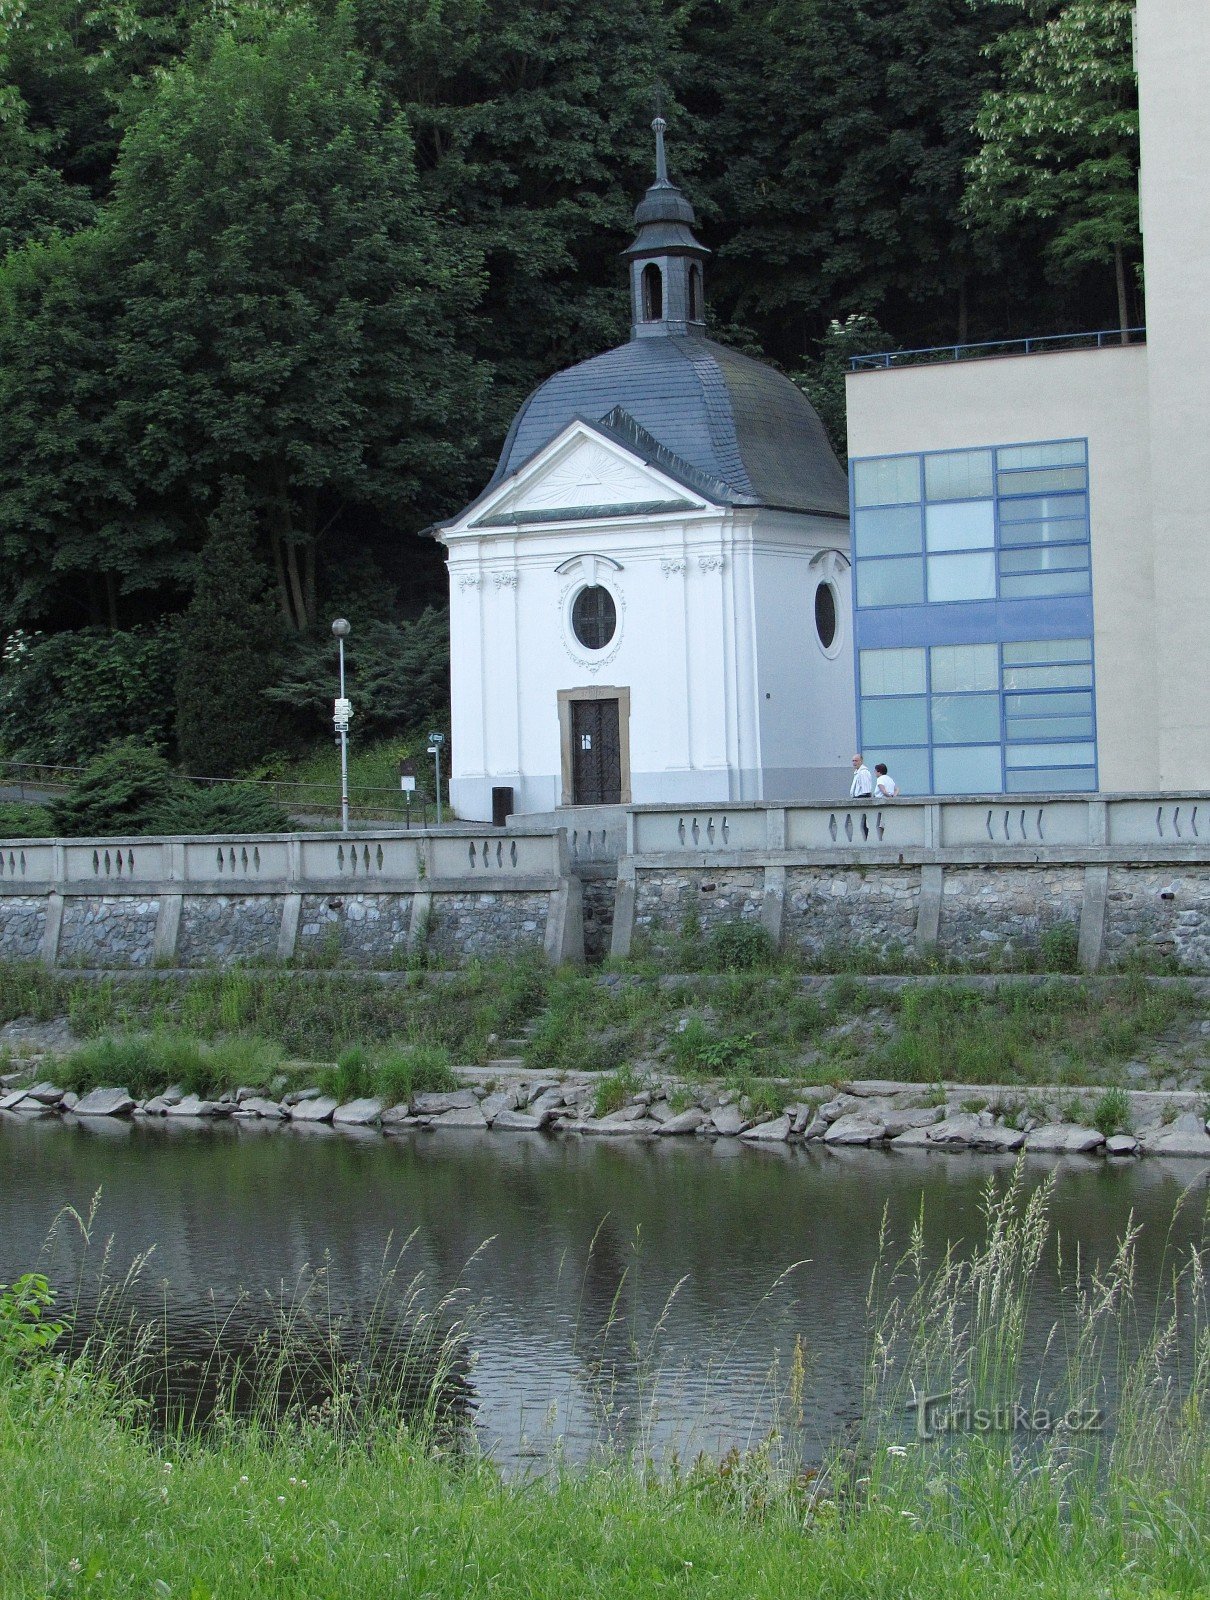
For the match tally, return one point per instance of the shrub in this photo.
(117, 793)
(218, 808)
(1059, 947)
(65, 696)
(130, 788)
(25, 822)
(740, 947)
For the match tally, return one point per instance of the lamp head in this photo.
(340, 628)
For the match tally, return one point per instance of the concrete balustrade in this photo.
(137, 901)
(1164, 824)
(975, 878)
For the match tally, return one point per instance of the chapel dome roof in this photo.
(730, 418)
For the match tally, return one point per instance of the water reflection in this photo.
(588, 1241)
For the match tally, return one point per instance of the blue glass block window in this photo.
(958, 554)
(959, 525)
(981, 718)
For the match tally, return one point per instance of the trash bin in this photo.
(502, 804)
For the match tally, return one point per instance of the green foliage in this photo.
(822, 379)
(1059, 947)
(25, 1330)
(25, 822)
(392, 1076)
(1060, 135)
(1111, 1114)
(290, 303)
(116, 793)
(130, 788)
(614, 1091)
(145, 1063)
(740, 947)
(398, 675)
(65, 696)
(217, 808)
(228, 633)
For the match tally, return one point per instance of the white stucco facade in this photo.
(724, 689)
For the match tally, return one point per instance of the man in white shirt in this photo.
(862, 786)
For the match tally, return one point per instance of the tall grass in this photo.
(365, 1495)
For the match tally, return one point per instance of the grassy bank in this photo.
(356, 1502)
(218, 1030)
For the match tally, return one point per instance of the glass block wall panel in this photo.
(978, 557)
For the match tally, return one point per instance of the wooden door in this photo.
(596, 753)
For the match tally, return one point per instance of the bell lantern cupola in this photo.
(666, 261)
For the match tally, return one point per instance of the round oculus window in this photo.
(825, 615)
(594, 617)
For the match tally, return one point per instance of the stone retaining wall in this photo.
(217, 929)
(464, 926)
(108, 931)
(850, 905)
(22, 928)
(985, 913)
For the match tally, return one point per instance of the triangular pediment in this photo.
(582, 474)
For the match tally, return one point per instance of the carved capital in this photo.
(711, 563)
(469, 580)
(505, 580)
(671, 565)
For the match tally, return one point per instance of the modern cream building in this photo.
(1031, 532)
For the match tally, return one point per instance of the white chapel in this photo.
(650, 600)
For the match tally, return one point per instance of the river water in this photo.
(569, 1249)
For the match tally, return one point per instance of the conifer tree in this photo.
(229, 633)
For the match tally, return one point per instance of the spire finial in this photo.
(661, 166)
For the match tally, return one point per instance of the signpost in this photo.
(436, 740)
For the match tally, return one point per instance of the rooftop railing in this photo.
(1039, 345)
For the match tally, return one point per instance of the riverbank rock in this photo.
(997, 1137)
(1121, 1144)
(729, 1120)
(501, 1100)
(1186, 1136)
(46, 1094)
(437, 1104)
(194, 1106)
(855, 1128)
(683, 1122)
(105, 1103)
(840, 1106)
(1062, 1138)
(775, 1132)
(320, 1109)
(11, 1100)
(517, 1122)
(256, 1105)
(461, 1117)
(358, 1113)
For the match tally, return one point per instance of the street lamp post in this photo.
(341, 716)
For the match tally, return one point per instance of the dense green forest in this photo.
(278, 272)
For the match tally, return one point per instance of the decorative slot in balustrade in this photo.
(880, 827)
(14, 862)
(832, 828)
(848, 826)
(710, 829)
(378, 856)
(512, 851)
(472, 855)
